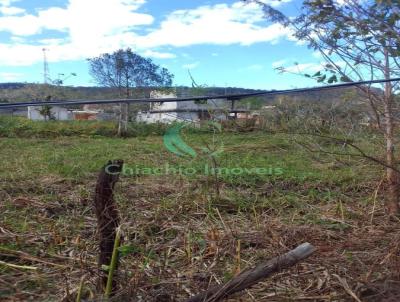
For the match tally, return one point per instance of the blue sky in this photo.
(221, 42)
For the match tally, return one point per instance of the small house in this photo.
(189, 111)
(37, 113)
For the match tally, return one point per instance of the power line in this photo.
(216, 109)
(230, 97)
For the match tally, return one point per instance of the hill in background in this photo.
(23, 92)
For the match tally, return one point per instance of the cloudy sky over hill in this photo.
(222, 43)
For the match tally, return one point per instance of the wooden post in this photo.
(120, 121)
(128, 114)
(251, 277)
(107, 214)
(233, 108)
(123, 119)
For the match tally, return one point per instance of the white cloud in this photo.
(215, 54)
(9, 76)
(317, 54)
(7, 2)
(255, 67)
(7, 10)
(86, 32)
(158, 55)
(50, 42)
(26, 25)
(81, 19)
(276, 3)
(279, 63)
(11, 10)
(220, 24)
(19, 54)
(18, 39)
(191, 65)
(305, 67)
(313, 67)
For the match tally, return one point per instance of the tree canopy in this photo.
(359, 40)
(126, 69)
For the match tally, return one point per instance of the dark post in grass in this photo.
(107, 215)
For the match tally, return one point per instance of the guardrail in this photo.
(228, 97)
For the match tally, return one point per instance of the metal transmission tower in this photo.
(46, 74)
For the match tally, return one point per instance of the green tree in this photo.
(359, 40)
(45, 111)
(124, 70)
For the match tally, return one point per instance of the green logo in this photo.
(175, 144)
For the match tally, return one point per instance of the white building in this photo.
(58, 113)
(190, 111)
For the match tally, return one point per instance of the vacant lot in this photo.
(183, 231)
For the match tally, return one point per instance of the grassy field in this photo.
(180, 234)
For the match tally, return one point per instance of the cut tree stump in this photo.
(107, 215)
(252, 276)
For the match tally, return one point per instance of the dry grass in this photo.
(179, 238)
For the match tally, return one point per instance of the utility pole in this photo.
(46, 75)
